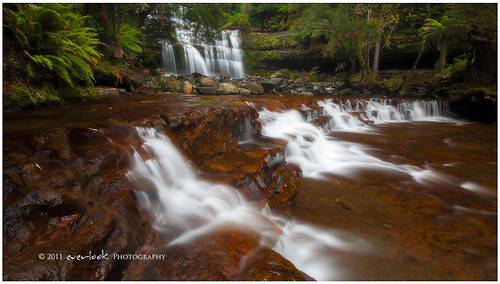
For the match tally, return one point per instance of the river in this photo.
(391, 189)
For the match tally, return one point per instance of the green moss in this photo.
(265, 41)
(77, 94)
(166, 84)
(21, 96)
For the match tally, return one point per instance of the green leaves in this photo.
(57, 47)
(130, 38)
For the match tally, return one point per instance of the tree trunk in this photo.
(484, 67)
(419, 55)
(442, 56)
(365, 68)
(376, 56)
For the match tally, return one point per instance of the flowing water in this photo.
(392, 190)
(223, 55)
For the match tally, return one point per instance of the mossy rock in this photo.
(166, 84)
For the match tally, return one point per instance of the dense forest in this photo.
(57, 52)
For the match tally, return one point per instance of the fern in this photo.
(58, 48)
(130, 38)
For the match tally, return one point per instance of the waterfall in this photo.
(183, 206)
(168, 58)
(317, 153)
(224, 55)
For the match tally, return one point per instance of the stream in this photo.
(390, 189)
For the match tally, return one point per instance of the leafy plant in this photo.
(56, 46)
(131, 38)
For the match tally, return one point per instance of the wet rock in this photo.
(210, 91)
(306, 94)
(197, 75)
(245, 92)
(210, 256)
(271, 266)
(347, 92)
(227, 89)
(254, 88)
(186, 88)
(230, 252)
(69, 199)
(208, 82)
(224, 76)
(272, 84)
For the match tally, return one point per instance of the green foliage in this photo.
(267, 41)
(21, 96)
(166, 84)
(131, 38)
(238, 20)
(55, 45)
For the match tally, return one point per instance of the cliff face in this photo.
(66, 193)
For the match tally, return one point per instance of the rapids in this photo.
(183, 205)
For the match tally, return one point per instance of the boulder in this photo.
(254, 88)
(186, 88)
(208, 82)
(227, 89)
(272, 84)
(224, 76)
(347, 92)
(245, 92)
(306, 94)
(210, 91)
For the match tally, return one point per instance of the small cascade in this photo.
(184, 206)
(317, 153)
(224, 55)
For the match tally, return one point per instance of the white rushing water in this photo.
(184, 206)
(317, 153)
(224, 55)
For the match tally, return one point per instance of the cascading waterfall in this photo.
(311, 147)
(222, 56)
(168, 58)
(184, 206)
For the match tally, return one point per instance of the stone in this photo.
(245, 92)
(197, 75)
(224, 76)
(254, 88)
(272, 84)
(186, 88)
(271, 266)
(347, 92)
(306, 94)
(294, 92)
(208, 82)
(210, 91)
(227, 89)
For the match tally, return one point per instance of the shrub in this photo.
(54, 45)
